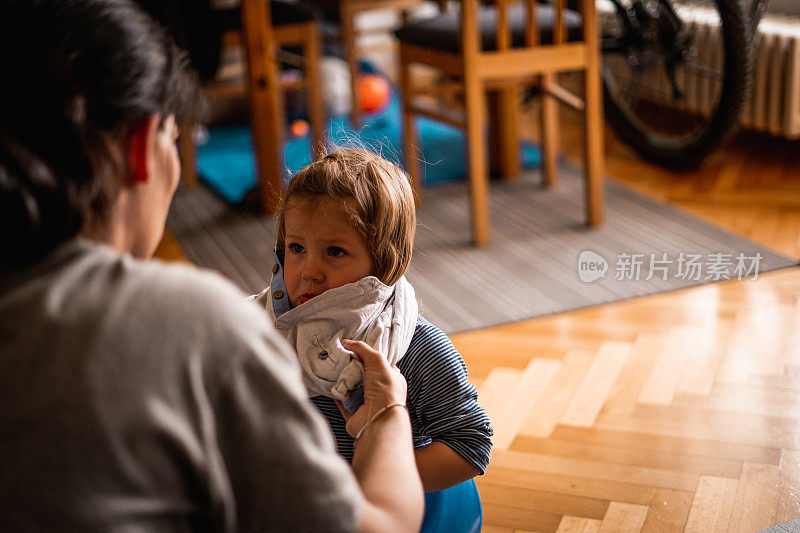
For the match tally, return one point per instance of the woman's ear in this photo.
(139, 147)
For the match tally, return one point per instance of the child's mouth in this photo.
(305, 297)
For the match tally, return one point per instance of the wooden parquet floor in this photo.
(658, 414)
(667, 413)
(673, 412)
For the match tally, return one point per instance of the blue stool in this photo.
(453, 510)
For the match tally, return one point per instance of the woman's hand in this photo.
(383, 461)
(383, 385)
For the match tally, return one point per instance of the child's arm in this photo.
(441, 467)
(444, 407)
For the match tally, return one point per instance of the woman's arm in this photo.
(384, 467)
(384, 460)
(263, 419)
(441, 467)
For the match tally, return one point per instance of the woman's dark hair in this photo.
(77, 74)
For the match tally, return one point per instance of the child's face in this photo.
(323, 251)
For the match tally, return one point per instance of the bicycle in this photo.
(677, 73)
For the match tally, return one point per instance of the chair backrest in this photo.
(470, 24)
(562, 52)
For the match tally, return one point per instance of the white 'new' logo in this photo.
(591, 266)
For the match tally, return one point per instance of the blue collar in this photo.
(279, 296)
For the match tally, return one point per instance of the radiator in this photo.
(774, 104)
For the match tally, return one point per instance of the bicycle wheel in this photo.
(676, 75)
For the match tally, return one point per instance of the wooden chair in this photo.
(348, 12)
(493, 50)
(344, 14)
(261, 40)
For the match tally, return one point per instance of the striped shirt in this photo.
(442, 404)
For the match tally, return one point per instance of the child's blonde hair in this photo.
(377, 196)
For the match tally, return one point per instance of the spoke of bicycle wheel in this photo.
(709, 73)
(631, 86)
(634, 84)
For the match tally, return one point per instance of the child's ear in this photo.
(139, 148)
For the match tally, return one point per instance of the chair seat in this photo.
(443, 32)
(328, 8)
(282, 13)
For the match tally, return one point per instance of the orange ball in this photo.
(374, 92)
(298, 128)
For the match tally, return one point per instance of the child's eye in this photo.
(335, 251)
(296, 248)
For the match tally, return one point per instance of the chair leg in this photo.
(267, 119)
(594, 147)
(594, 118)
(266, 111)
(316, 109)
(504, 132)
(188, 155)
(410, 140)
(476, 156)
(347, 18)
(549, 121)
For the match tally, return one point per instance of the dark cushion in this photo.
(292, 13)
(281, 11)
(443, 32)
(328, 8)
(198, 28)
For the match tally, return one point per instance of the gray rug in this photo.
(532, 266)
(788, 527)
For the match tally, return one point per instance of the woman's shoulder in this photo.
(148, 313)
(82, 271)
(201, 295)
(203, 313)
(183, 282)
(170, 297)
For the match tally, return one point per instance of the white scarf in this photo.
(382, 316)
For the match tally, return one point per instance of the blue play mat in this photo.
(226, 162)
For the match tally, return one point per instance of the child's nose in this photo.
(312, 269)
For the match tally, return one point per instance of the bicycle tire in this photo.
(689, 151)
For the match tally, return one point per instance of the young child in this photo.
(345, 237)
